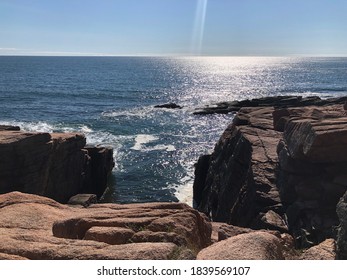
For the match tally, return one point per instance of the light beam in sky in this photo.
(199, 25)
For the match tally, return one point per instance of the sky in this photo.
(174, 27)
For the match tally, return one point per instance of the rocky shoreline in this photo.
(274, 188)
(280, 168)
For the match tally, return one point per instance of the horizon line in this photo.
(172, 55)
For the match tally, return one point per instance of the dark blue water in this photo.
(111, 100)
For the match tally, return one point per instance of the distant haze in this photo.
(174, 27)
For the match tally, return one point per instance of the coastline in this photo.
(249, 207)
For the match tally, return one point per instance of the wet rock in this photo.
(169, 106)
(9, 127)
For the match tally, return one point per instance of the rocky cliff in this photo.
(280, 168)
(56, 165)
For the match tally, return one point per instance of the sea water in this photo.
(111, 100)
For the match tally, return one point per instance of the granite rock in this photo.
(247, 246)
(36, 227)
(323, 251)
(279, 167)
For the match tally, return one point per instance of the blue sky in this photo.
(173, 27)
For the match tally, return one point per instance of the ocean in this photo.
(111, 100)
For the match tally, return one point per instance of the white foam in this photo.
(86, 129)
(141, 140)
(170, 148)
(108, 139)
(31, 126)
(92, 137)
(184, 192)
(139, 112)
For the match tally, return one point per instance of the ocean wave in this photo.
(141, 140)
(184, 190)
(31, 126)
(145, 112)
(101, 138)
(138, 112)
(116, 142)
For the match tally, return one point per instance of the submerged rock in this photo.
(169, 106)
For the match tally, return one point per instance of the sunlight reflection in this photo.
(199, 26)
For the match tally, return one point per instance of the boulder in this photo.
(247, 246)
(36, 227)
(323, 251)
(224, 231)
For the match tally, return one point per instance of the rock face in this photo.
(35, 227)
(312, 170)
(279, 169)
(55, 165)
(240, 184)
(341, 210)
